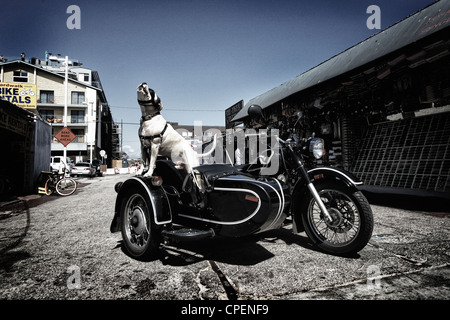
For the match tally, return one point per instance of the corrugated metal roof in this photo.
(417, 26)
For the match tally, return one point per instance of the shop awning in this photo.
(425, 22)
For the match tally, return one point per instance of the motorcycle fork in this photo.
(314, 193)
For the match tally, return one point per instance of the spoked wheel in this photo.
(66, 186)
(351, 226)
(139, 237)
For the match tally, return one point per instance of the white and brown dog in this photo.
(159, 138)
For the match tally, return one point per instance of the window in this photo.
(77, 116)
(47, 115)
(20, 76)
(77, 97)
(83, 77)
(47, 96)
(80, 135)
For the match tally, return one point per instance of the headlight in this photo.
(157, 181)
(317, 147)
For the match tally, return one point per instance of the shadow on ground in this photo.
(413, 202)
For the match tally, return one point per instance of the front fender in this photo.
(337, 174)
(319, 175)
(159, 202)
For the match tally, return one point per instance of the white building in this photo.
(88, 113)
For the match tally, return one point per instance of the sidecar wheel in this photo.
(140, 238)
(352, 224)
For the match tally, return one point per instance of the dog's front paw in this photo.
(147, 173)
(180, 165)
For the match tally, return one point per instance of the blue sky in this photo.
(199, 56)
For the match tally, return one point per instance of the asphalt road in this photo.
(61, 248)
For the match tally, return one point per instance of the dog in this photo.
(158, 137)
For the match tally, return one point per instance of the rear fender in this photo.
(319, 175)
(162, 214)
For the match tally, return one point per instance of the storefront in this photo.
(25, 144)
(382, 106)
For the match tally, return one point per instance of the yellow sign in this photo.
(20, 94)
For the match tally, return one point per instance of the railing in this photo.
(78, 139)
(70, 120)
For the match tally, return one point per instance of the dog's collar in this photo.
(149, 117)
(146, 102)
(156, 135)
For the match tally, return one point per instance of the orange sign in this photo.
(65, 136)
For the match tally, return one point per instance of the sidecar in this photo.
(216, 200)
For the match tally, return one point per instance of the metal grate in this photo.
(411, 153)
(351, 137)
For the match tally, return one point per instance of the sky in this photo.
(200, 56)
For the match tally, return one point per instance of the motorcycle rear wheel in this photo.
(352, 225)
(140, 239)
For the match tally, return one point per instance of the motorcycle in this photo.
(224, 200)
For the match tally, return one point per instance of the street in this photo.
(61, 248)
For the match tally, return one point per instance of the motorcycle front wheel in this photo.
(140, 239)
(352, 220)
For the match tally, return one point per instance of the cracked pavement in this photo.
(61, 248)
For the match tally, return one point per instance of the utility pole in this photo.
(66, 80)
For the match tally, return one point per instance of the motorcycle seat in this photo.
(212, 172)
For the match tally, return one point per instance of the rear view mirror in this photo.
(255, 112)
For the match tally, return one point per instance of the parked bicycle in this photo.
(57, 182)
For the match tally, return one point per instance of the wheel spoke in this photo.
(346, 220)
(137, 228)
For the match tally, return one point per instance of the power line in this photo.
(183, 110)
(195, 110)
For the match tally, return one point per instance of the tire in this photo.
(352, 225)
(66, 186)
(140, 238)
(48, 188)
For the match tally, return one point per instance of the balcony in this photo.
(78, 144)
(71, 121)
(59, 105)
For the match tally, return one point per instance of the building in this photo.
(25, 144)
(382, 106)
(88, 114)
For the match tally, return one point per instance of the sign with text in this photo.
(65, 136)
(14, 123)
(231, 112)
(20, 94)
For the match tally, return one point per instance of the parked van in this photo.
(57, 164)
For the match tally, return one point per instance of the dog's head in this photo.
(147, 97)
